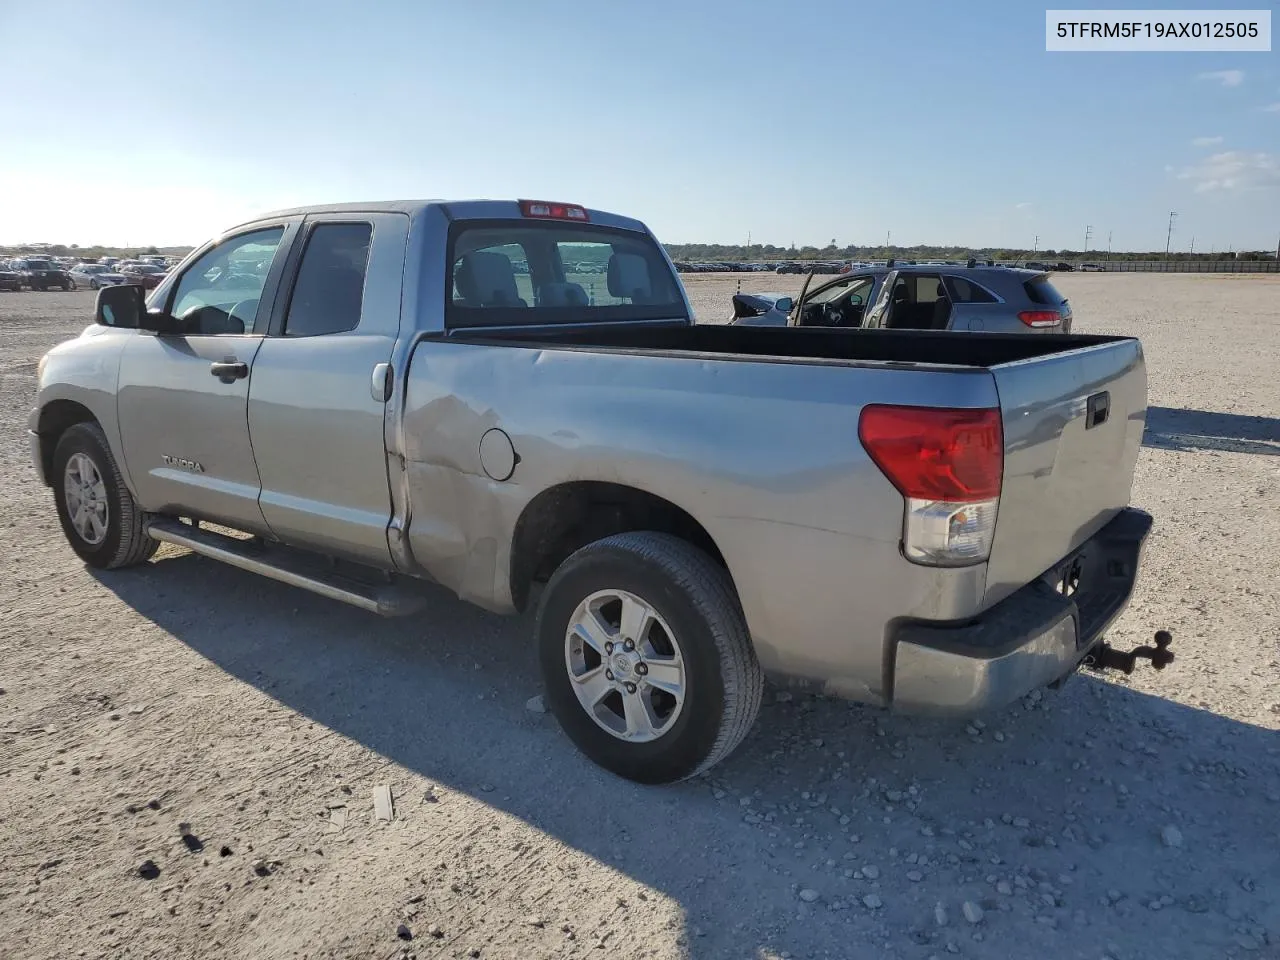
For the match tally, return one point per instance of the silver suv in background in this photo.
(989, 299)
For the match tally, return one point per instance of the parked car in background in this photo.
(919, 297)
(38, 273)
(1092, 268)
(95, 275)
(1063, 267)
(146, 274)
(9, 279)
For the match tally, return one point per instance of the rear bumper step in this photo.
(388, 600)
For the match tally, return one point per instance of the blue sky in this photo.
(941, 122)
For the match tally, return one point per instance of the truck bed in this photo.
(798, 343)
(1065, 476)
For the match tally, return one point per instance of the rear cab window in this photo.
(513, 272)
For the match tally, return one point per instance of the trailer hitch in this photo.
(1106, 657)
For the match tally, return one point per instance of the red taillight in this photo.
(1040, 318)
(936, 454)
(542, 210)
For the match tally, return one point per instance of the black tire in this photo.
(125, 542)
(93, 284)
(695, 596)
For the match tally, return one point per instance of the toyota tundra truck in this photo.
(510, 399)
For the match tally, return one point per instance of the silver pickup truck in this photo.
(510, 399)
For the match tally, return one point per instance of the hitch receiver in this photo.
(1106, 657)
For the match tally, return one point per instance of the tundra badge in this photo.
(182, 463)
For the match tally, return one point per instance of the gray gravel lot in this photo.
(230, 732)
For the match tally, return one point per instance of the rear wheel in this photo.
(646, 658)
(99, 516)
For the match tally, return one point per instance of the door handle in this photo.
(229, 370)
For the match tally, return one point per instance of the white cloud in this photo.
(1024, 205)
(1272, 108)
(1234, 170)
(1206, 141)
(1228, 78)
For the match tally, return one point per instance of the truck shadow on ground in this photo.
(1063, 799)
(1174, 428)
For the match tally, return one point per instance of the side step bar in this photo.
(388, 600)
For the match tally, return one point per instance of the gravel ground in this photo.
(189, 754)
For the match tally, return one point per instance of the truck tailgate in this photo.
(1073, 424)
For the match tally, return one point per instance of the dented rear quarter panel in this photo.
(764, 454)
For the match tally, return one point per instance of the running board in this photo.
(388, 600)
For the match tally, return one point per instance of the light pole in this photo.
(1088, 232)
(1035, 244)
(1168, 237)
(1108, 244)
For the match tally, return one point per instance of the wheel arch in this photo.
(569, 515)
(56, 418)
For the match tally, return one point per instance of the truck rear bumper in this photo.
(1033, 638)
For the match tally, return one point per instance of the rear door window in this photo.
(925, 288)
(963, 291)
(529, 272)
(329, 292)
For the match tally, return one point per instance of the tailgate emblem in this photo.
(1098, 408)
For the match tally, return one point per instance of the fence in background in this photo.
(1188, 266)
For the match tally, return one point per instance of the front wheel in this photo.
(99, 517)
(93, 284)
(646, 658)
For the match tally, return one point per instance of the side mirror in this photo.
(121, 305)
(784, 304)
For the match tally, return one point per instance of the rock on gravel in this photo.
(535, 704)
(1171, 836)
(872, 902)
(809, 895)
(972, 912)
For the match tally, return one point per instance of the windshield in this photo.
(39, 265)
(147, 268)
(533, 272)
